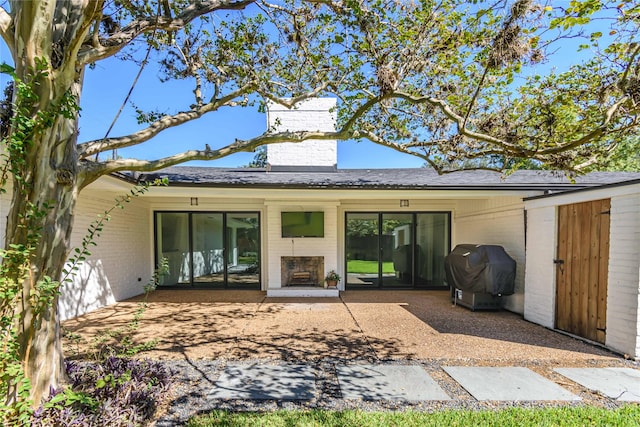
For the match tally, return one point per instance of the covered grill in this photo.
(481, 273)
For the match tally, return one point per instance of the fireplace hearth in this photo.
(302, 270)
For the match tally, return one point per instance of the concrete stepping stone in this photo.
(507, 383)
(265, 382)
(621, 384)
(388, 382)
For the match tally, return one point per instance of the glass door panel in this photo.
(432, 237)
(397, 250)
(172, 234)
(208, 248)
(362, 250)
(243, 254)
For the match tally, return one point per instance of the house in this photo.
(280, 229)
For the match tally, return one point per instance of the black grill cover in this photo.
(481, 268)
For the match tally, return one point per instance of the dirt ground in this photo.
(365, 325)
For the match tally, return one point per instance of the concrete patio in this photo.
(363, 325)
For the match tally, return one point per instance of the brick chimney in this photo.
(316, 114)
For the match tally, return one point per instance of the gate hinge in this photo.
(606, 212)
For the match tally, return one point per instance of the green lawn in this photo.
(368, 267)
(247, 259)
(628, 415)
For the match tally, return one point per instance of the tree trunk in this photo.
(45, 188)
(39, 327)
(45, 180)
(49, 185)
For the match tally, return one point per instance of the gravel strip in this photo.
(195, 379)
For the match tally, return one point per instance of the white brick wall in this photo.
(496, 221)
(122, 256)
(623, 296)
(277, 246)
(311, 115)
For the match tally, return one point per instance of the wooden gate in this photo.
(582, 267)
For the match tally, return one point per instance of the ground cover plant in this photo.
(628, 415)
(109, 388)
(115, 392)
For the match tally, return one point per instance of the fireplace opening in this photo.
(302, 271)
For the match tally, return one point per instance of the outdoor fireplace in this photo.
(302, 270)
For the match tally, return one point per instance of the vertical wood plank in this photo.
(593, 264)
(561, 273)
(576, 257)
(603, 271)
(569, 265)
(584, 211)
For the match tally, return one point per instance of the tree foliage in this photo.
(467, 90)
(259, 159)
(623, 156)
(451, 82)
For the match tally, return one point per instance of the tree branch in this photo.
(511, 148)
(93, 170)
(507, 148)
(476, 93)
(406, 149)
(99, 145)
(120, 39)
(459, 121)
(291, 102)
(5, 29)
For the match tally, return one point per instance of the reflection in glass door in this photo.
(432, 246)
(211, 249)
(208, 248)
(172, 244)
(243, 241)
(362, 244)
(396, 250)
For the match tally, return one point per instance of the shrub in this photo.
(115, 392)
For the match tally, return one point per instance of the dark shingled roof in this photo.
(391, 179)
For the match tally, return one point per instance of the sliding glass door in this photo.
(396, 250)
(209, 249)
